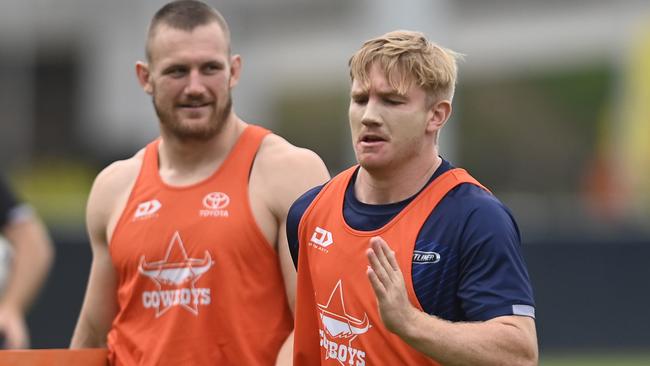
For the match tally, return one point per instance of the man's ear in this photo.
(439, 113)
(143, 73)
(235, 70)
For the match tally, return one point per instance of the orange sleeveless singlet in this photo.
(197, 282)
(337, 320)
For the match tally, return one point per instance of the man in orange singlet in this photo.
(190, 260)
(404, 259)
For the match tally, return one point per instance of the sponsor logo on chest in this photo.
(215, 204)
(321, 239)
(421, 257)
(147, 210)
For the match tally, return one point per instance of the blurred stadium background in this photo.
(552, 113)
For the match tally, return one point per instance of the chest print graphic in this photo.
(339, 330)
(175, 277)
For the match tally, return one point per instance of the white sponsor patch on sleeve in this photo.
(524, 310)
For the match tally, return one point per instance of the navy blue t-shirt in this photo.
(467, 264)
(8, 203)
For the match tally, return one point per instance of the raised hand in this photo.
(388, 284)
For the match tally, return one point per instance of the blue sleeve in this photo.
(294, 216)
(7, 203)
(494, 280)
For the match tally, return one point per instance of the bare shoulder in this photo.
(110, 192)
(287, 170)
(118, 176)
(283, 161)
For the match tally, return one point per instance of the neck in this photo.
(184, 162)
(396, 183)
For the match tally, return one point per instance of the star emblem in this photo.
(174, 271)
(337, 323)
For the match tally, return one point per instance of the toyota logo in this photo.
(216, 200)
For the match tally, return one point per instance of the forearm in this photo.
(99, 307)
(285, 355)
(97, 313)
(87, 336)
(492, 342)
(33, 254)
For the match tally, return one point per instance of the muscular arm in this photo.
(100, 305)
(505, 340)
(285, 355)
(33, 254)
(289, 172)
(301, 170)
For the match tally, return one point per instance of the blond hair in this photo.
(407, 57)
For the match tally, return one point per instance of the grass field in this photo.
(595, 360)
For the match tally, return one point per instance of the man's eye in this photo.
(211, 69)
(176, 72)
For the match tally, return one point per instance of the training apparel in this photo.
(337, 320)
(8, 204)
(198, 283)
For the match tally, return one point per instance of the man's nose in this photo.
(371, 114)
(195, 85)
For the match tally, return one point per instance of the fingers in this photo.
(385, 256)
(388, 253)
(16, 337)
(377, 286)
(376, 270)
(384, 272)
